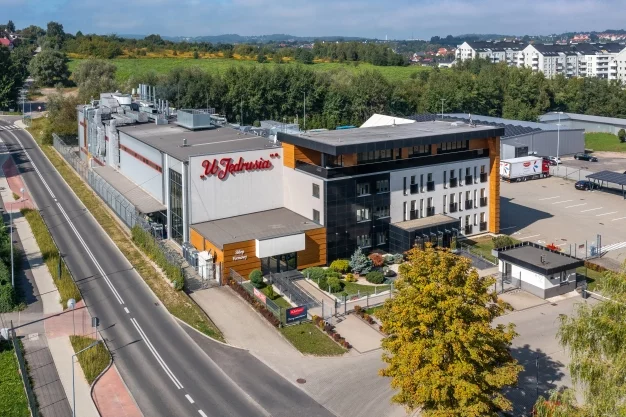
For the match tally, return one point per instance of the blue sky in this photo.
(399, 19)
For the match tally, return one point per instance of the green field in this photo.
(604, 142)
(310, 340)
(140, 67)
(13, 400)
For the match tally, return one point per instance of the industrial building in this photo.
(246, 199)
(585, 122)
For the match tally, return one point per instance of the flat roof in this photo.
(528, 255)
(142, 201)
(169, 139)
(261, 225)
(552, 117)
(416, 224)
(346, 141)
(609, 176)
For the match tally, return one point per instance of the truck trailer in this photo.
(524, 168)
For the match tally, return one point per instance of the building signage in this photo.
(240, 255)
(258, 294)
(295, 314)
(226, 166)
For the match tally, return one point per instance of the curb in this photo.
(207, 336)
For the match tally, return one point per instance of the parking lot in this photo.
(609, 161)
(551, 210)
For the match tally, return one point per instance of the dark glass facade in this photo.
(176, 205)
(401, 240)
(343, 203)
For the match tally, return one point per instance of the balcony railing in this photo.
(469, 204)
(430, 211)
(483, 201)
(453, 207)
(414, 214)
(483, 226)
(430, 186)
(468, 229)
(483, 177)
(415, 188)
(454, 182)
(469, 179)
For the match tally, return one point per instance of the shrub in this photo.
(622, 135)
(151, 247)
(267, 314)
(360, 263)
(333, 274)
(351, 278)
(7, 296)
(314, 273)
(256, 278)
(334, 284)
(398, 258)
(366, 317)
(502, 241)
(346, 344)
(270, 292)
(375, 277)
(388, 259)
(377, 259)
(357, 308)
(323, 283)
(340, 265)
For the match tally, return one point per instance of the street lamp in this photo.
(71, 303)
(73, 386)
(558, 140)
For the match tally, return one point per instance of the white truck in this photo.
(524, 168)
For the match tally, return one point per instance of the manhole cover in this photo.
(554, 304)
(301, 381)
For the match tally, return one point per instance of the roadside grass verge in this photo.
(372, 310)
(593, 277)
(51, 257)
(310, 340)
(177, 303)
(607, 142)
(13, 400)
(94, 360)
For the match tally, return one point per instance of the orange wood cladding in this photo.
(494, 185)
(289, 159)
(196, 240)
(314, 253)
(433, 149)
(480, 143)
(242, 266)
(292, 153)
(349, 160)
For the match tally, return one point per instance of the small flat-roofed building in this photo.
(538, 270)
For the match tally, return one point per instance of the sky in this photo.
(395, 19)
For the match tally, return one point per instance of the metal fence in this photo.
(247, 285)
(569, 173)
(129, 215)
(30, 395)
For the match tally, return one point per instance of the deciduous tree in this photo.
(443, 354)
(94, 76)
(49, 67)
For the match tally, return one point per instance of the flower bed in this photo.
(269, 316)
(359, 311)
(329, 329)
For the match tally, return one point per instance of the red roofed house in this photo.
(6, 42)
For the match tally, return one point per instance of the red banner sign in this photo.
(226, 166)
(258, 294)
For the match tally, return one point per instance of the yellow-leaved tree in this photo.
(443, 353)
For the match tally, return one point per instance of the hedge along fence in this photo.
(51, 257)
(151, 247)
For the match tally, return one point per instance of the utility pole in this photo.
(558, 141)
(305, 111)
(442, 100)
(241, 109)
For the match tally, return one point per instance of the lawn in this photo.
(483, 246)
(94, 360)
(13, 400)
(277, 298)
(603, 142)
(353, 288)
(177, 302)
(372, 310)
(593, 277)
(142, 66)
(310, 340)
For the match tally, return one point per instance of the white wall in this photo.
(538, 280)
(240, 193)
(298, 193)
(398, 198)
(280, 245)
(146, 177)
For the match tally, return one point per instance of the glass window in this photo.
(445, 201)
(467, 171)
(482, 169)
(429, 202)
(382, 186)
(381, 238)
(482, 192)
(429, 177)
(445, 179)
(452, 174)
(405, 214)
(364, 241)
(475, 219)
(316, 216)
(176, 206)
(412, 179)
(404, 185)
(482, 217)
(316, 190)
(413, 205)
(381, 211)
(362, 189)
(362, 214)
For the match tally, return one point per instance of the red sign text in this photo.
(226, 166)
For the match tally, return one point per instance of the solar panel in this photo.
(609, 176)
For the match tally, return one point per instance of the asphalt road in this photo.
(168, 372)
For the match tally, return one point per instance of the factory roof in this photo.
(346, 141)
(553, 117)
(538, 258)
(169, 139)
(261, 225)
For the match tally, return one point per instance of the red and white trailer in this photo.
(524, 168)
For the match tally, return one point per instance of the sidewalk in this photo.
(48, 350)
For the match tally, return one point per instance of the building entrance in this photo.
(279, 263)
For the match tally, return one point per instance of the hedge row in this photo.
(151, 247)
(252, 300)
(595, 267)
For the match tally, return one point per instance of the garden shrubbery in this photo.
(329, 329)
(360, 263)
(375, 277)
(256, 278)
(340, 265)
(334, 284)
(314, 273)
(269, 316)
(151, 247)
(503, 241)
(377, 259)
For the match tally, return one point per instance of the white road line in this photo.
(156, 355)
(202, 413)
(564, 201)
(69, 222)
(597, 208)
(619, 218)
(189, 398)
(528, 237)
(548, 198)
(577, 205)
(126, 310)
(507, 228)
(613, 246)
(606, 214)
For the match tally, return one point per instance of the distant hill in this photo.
(234, 38)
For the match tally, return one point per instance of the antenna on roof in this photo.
(471, 122)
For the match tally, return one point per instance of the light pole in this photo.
(558, 140)
(442, 100)
(73, 386)
(71, 303)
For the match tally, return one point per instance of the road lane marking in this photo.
(126, 310)
(202, 413)
(548, 198)
(606, 214)
(528, 237)
(619, 218)
(156, 355)
(564, 201)
(507, 228)
(189, 398)
(577, 205)
(597, 208)
(613, 246)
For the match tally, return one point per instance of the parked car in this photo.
(549, 161)
(585, 185)
(585, 157)
(556, 159)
